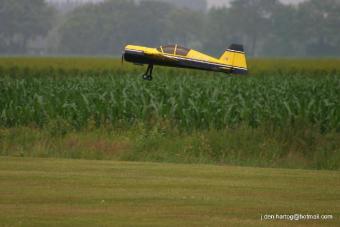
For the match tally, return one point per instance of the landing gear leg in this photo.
(148, 73)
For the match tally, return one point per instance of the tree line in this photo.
(265, 27)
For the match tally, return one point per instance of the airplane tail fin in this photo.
(236, 58)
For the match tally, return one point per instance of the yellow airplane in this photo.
(233, 60)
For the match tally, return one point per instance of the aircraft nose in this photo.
(133, 55)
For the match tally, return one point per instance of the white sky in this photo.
(210, 2)
(225, 2)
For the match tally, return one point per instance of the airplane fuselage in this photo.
(138, 57)
(232, 60)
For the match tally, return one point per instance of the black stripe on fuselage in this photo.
(139, 57)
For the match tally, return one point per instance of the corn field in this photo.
(36, 93)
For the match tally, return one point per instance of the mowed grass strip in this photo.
(51, 192)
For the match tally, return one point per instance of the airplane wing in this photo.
(160, 56)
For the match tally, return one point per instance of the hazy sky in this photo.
(225, 2)
(210, 2)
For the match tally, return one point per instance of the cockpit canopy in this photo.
(174, 49)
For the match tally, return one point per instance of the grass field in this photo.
(96, 116)
(285, 113)
(49, 192)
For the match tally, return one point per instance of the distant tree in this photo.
(265, 27)
(104, 28)
(218, 33)
(22, 21)
(319, 23)
(184, 27)
(251, 21)
(195, 5)
(150, 21)
(282, 38)
(94, 29)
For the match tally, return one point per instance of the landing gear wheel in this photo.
(148, 73)
(147, 77)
